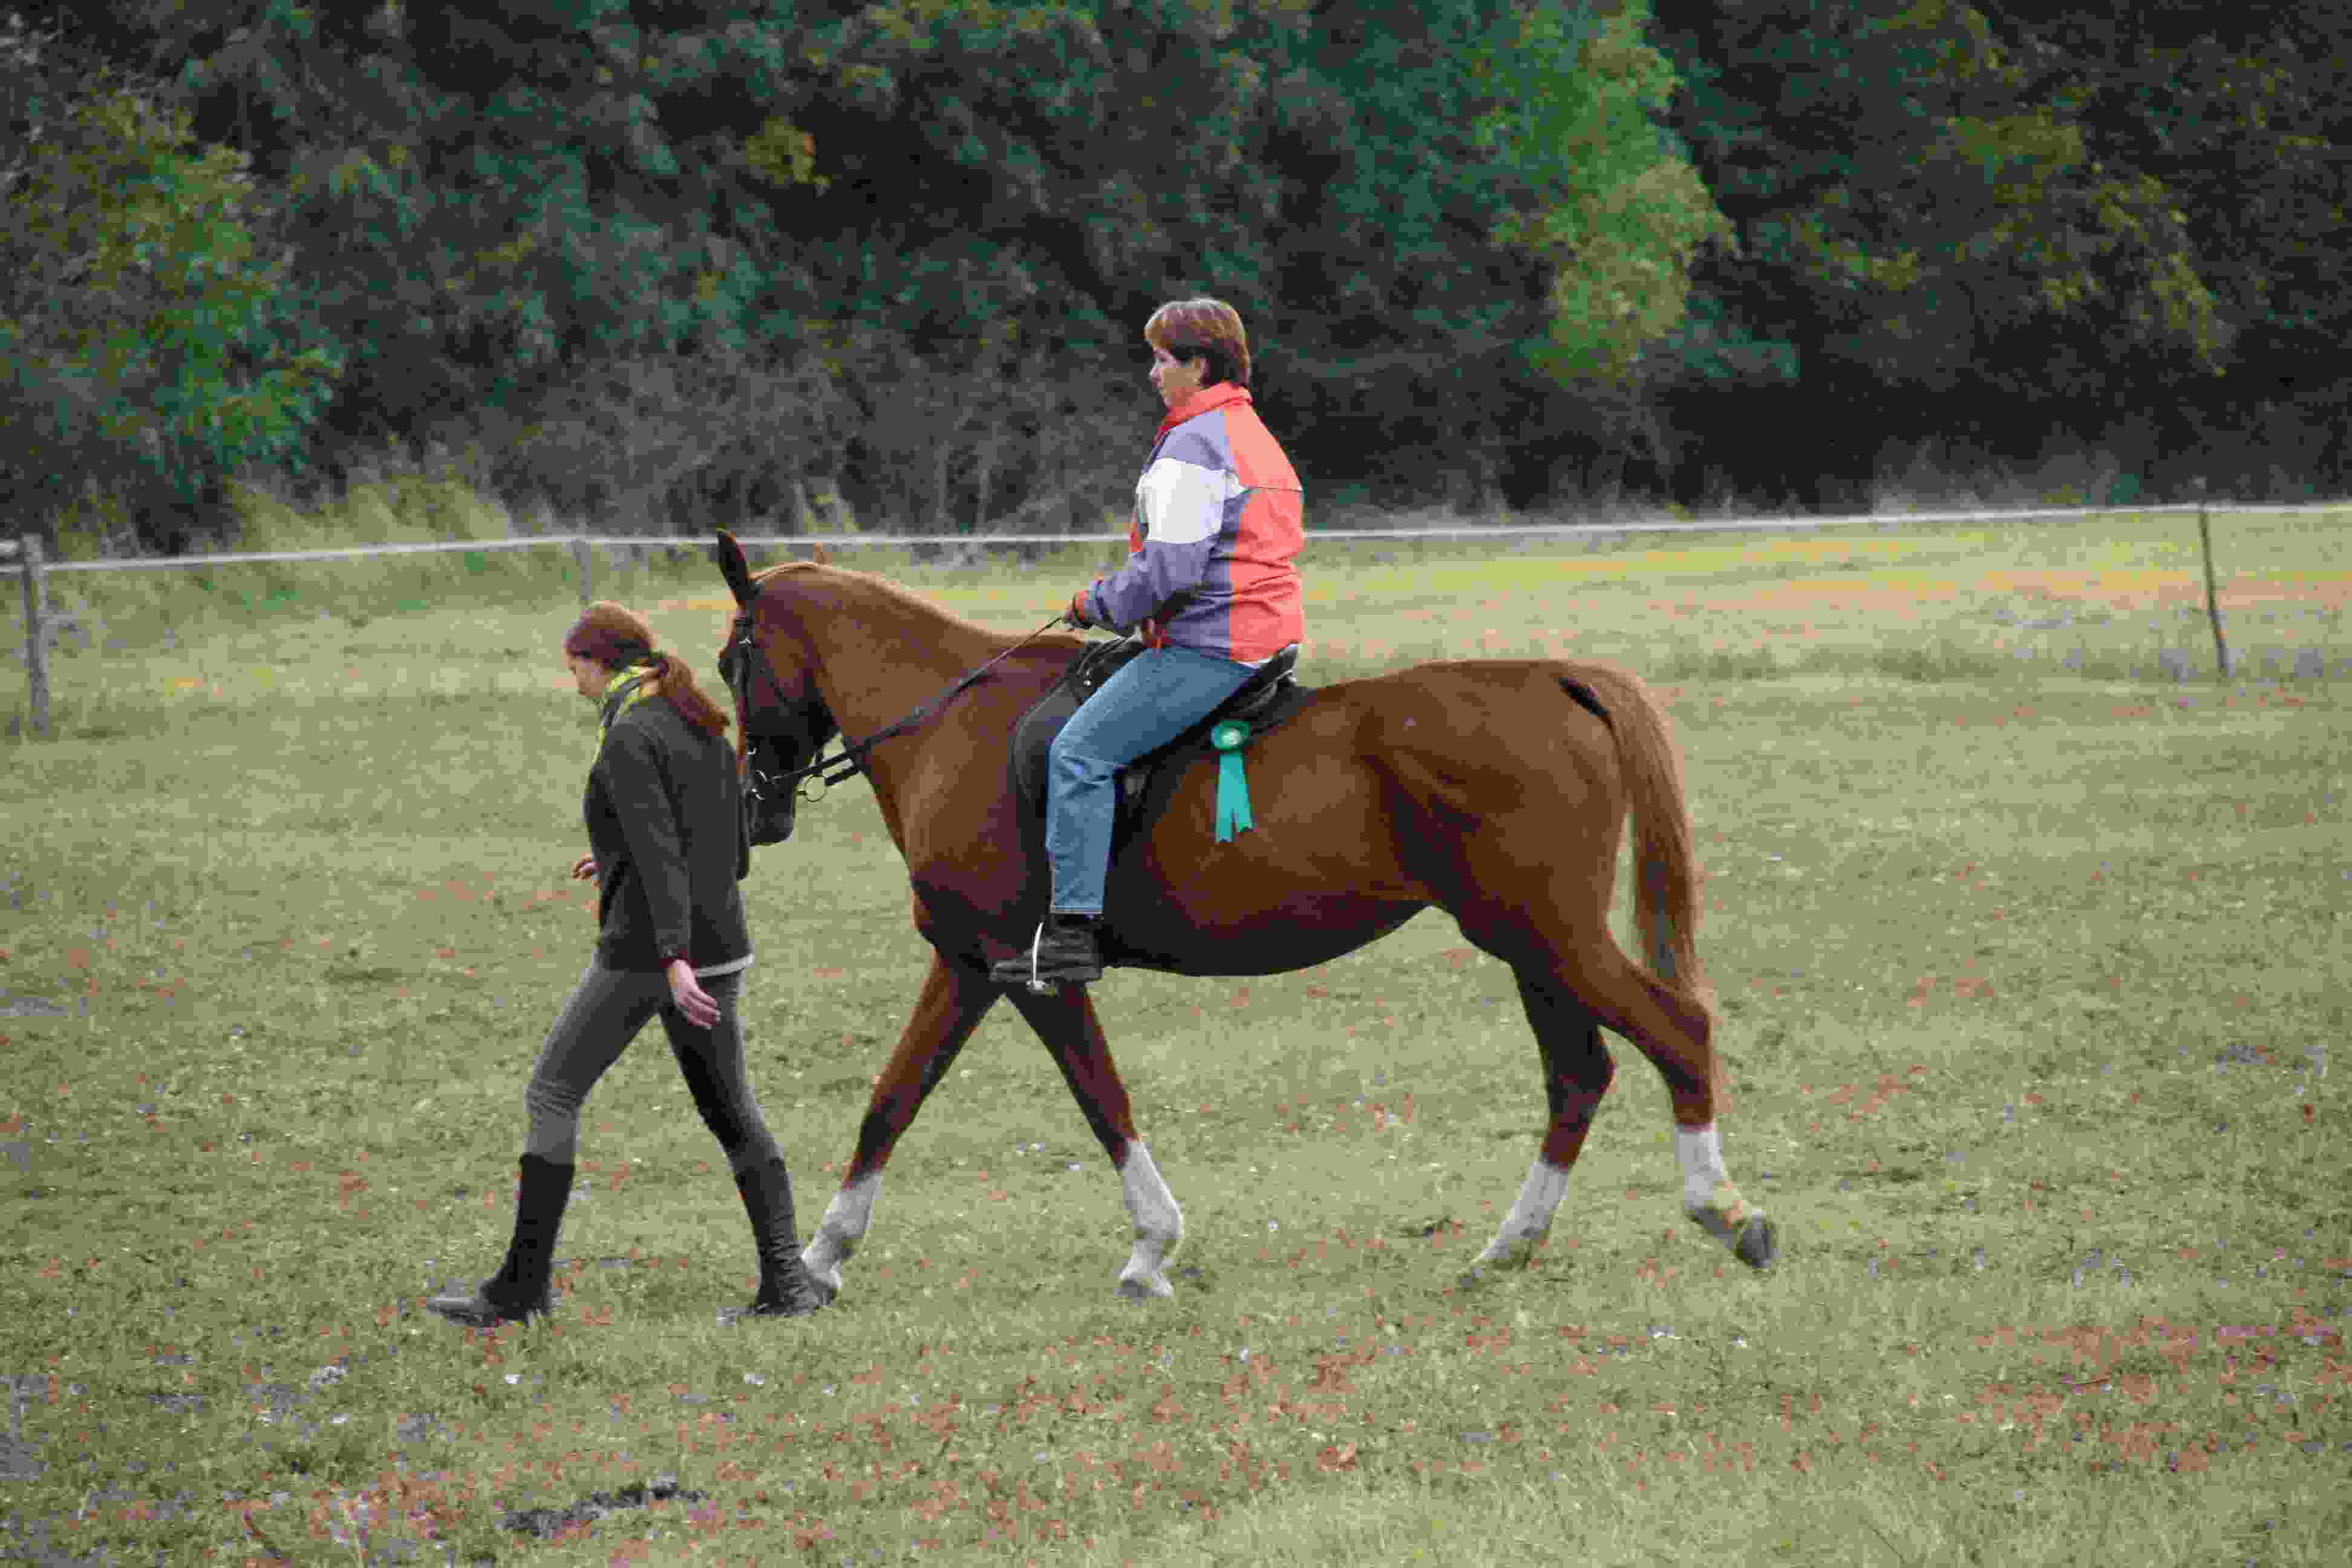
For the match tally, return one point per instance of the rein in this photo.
(851, 758)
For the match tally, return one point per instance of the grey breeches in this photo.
(602, 1014)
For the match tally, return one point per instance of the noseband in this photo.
(744, 646)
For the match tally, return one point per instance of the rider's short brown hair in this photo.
(1197, 329)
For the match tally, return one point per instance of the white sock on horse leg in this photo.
(1158, 1224)
(1148, 1202)
(1701, 1153)
(836, 1236)
(1530, 1215)
(1538, 1197)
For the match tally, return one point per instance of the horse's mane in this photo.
(907, 599)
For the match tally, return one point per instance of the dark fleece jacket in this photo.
(665, 824)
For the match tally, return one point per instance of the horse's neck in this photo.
(886, 656)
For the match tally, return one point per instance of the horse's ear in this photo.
(818, 554)
(729, 556)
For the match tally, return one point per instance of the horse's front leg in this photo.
(1065, 1019)
(953, 1000)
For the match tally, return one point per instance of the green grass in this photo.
(2031, 981)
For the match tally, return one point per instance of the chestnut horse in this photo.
(1493, 789)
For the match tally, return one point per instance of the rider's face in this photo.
(1175, 379)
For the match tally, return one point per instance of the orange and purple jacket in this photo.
(1218, 517)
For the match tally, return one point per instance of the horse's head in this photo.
(781, 714)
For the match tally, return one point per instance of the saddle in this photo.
(1265, 699)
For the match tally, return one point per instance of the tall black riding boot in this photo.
(519, 1290)
(786, 1289)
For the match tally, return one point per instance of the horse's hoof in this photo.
(1759, 1243)
(1739, 1226)
(1144, 1287)
(827, 1281)
(1499, 1258)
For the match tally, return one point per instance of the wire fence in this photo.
(23, 557)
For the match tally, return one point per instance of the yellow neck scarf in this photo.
(628, 688)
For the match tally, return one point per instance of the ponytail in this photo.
(678, 690)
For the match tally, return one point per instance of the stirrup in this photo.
(1009, 971)
(1036, 942)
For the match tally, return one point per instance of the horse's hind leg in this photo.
(953, 1000)
(1673, 1032)
(1608, 990)
(1065, 1019)
(1577, 1071)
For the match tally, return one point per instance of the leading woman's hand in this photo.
(701, 1009)
(583, 869)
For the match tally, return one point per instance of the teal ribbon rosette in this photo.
(1233, 789)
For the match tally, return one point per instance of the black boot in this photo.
(786, 1289)
(519, 1290)
(1064, 953)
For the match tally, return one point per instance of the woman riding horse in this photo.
(1218, 517)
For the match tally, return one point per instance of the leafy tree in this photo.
(1482, 225)
(1611, 204)
(2001, 221)
(2241, 112)
(144, 325)
(1432, 223)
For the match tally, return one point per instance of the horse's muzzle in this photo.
(770, 817)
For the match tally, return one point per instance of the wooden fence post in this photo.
(2212, 596)
(580, 559)
(36, 632)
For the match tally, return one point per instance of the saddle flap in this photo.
(1262, 701)
(1035, 730)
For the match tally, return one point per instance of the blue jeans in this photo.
(1162, 693)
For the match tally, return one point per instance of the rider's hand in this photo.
(1075, 615)
(583, 869)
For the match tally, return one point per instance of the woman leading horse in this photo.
(666, 847)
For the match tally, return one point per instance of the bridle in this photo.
(735, 664)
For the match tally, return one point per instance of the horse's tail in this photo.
(1665, 856)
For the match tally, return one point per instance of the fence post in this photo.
(580, 559)
(37, 633)
(2212, 597)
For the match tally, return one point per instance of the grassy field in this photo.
(2033, 945)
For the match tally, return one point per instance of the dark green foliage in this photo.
(648, 263)
(143, 323)
(2009, 222)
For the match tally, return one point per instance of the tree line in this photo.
(659, 263)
